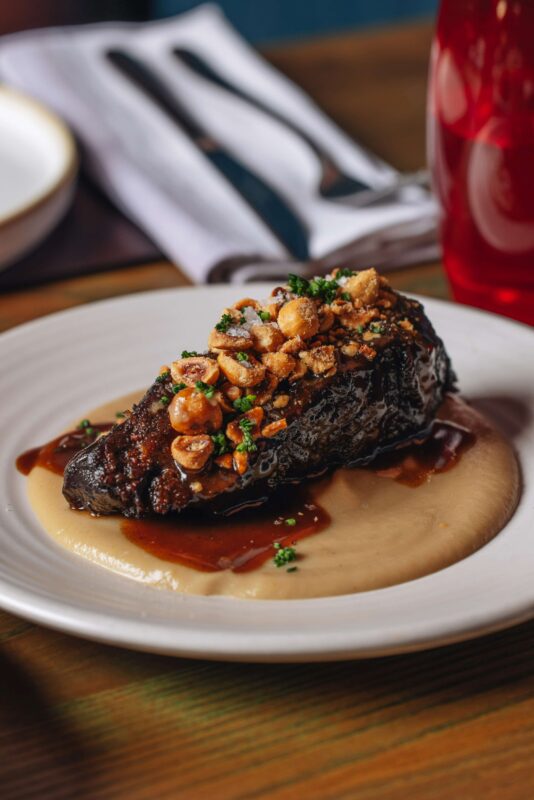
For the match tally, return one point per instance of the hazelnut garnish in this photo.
(266, 338)
(195, 368)
(192, 452)
(299, 317)
(320, 359)
(191, 412)
(363, 287)
(241, 369)
(280, 364)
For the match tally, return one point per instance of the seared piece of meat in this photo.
(323, 374)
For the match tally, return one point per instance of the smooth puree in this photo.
(382, 531)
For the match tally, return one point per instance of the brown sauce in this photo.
(245, 541)
(414, 464)
(56, 454)
(240, 543)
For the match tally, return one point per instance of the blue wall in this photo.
(271, 20)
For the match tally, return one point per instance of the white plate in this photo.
(38, 165)
(55, 369)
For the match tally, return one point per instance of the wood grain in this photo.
(82, 720)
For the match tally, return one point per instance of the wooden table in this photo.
(83, 720)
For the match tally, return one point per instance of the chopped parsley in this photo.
(163, 377)
(224, 323)
(298, 285)
(120, 414)
(177, 387)
(376, 327)
(221, 443)
(86, 427)
(346, 296)
(244, 403)
(345, 273)
(165, 400)
(283, 555)
(291, 521)
(359, 328)
(205, 388)
(247, 445)
(320, 287)
(291, 569)
(264, 316)
(189, 353)
(241, 356)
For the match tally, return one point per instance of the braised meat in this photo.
(324, 373)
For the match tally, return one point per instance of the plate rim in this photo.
(60, 616)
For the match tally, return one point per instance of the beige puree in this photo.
(382, 532)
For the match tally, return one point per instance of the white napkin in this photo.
(158, 177)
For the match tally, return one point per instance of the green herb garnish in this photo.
(165, 400)
(189, 353)
(283, 555)
(205, 388)
(345, 273)
(224, 323)
(221, 443)
(376, 327)
(120, 414)
(83, 424)
(90, 431)
(346, 296)
(241, 356)
(163, 377)
(320, 287)
(291, 569)
(298, 285)
(359, 328)
(247, 445)
(244, 403)
(177, 387)
(291, 521)
(264, 316)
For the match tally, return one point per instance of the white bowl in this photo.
(38, 165)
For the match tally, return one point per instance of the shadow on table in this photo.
(41, 755)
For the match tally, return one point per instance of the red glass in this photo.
(481, 150)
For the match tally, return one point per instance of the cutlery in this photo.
(261, 197)
(334, 182)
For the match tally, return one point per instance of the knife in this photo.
(334, 183)
(262, 198)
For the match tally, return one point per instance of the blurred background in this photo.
(259, 21)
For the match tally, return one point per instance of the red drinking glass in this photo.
(481, 151)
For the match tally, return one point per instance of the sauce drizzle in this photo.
(246, 540)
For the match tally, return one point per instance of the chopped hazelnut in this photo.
(241, 373)
(196, 487)
(356, 319)
(340, 306)
(266, 338)
(233, 430)
(351, 349)
(225, 341)
(280, 364)
(320, 359)
(368, 352)
(273, 428)
(225, 461)
(299, 372)
(363, 287)
(192, 452)
(240, 462)
(281, 401)
(326, 318)
(190, 412)
(265, 390)
(406, 325)
(299, 318)
(293, 346)
(195, 368)
(247, 302)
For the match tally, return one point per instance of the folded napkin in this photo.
(153, 170)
